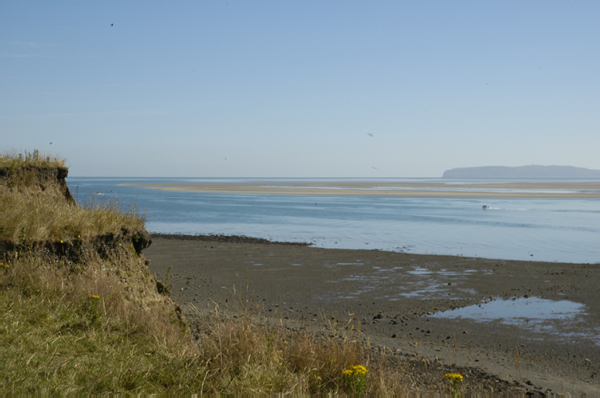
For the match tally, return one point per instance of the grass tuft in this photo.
(26, 218)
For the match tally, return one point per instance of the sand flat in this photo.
(556, 190)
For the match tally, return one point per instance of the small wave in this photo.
(546, 210)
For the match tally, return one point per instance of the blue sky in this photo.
(301, 89)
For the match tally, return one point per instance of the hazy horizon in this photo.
(337, 89)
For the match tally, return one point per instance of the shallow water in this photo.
(517, 310)
(563, 318)
(563, 230)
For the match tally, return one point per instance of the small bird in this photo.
(111, 24)
(371, 134)
(50, 143)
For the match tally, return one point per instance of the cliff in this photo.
(39, 218)
(50, 179)
(39, 212)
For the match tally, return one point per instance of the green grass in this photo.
(59, 338)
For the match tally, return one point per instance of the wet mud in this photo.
(534, 322)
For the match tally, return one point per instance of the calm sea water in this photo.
(563, 230)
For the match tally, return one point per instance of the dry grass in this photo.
(33, 207)
(243, 355)
(36, 159)
(35, 218)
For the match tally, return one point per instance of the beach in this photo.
(402, 301)
(554, 190)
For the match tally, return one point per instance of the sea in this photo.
(552, 230)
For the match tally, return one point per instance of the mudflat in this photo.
(581, 190)
(548, 338)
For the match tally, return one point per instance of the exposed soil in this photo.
(48, 179)
(395, 297)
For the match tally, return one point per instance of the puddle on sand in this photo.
(419, 271)
(561, 318)
(516, 311)
(444, 272)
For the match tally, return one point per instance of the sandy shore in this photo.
(557, 190)
(395, 296)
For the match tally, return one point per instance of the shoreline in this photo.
(394, 296)
(224, 238)
(577, 190)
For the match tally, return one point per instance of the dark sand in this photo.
(394, 294)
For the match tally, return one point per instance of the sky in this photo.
(300, 88)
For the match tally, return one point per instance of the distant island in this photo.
(532, 171)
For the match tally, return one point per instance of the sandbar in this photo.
(553, 190)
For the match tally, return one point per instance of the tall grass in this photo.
(15, 159)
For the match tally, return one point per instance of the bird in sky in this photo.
(371, 134)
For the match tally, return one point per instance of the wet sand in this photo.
(558, 190)
(395, 295)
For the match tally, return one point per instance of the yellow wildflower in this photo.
(358, 370)
(94, 296)
(454, 376)
(455, 379)
(356, 377)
